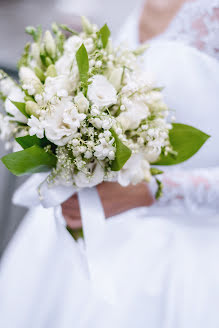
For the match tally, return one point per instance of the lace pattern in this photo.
(197, 25)
(195, 191)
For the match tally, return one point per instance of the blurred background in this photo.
(15, 15)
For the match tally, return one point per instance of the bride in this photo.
(154, 266)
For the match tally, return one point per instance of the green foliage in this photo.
(25, 57)
(60, 39)
(104, 35)
(155, 171)
(68, 29)
(29, 141)
(2, 96)
(36, 33)
(159, 192)
(123, 153)
(28, 161)
(21, 106)
(83, 63)
(186, 141)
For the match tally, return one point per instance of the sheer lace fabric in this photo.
(194, 191)
(196, 24)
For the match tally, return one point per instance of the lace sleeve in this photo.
(197, 24)
(195, 191)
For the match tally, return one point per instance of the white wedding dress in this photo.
(149, 267)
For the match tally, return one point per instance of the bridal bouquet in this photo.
(86, 112)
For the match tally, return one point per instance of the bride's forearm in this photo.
(115, 199)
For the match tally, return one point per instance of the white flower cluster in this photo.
(88, 113)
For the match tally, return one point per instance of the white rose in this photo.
(67, 65)
(135, 170)
(63, 64)
(62, 122)
(82, 181)
(136, 111)
(101, 92)
(81, 102)
(59, 85)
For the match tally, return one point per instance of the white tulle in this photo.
(157, 271)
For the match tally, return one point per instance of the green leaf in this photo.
(104, 34)
(186, 141)
(83, 63)
(159, 192)
(155, 171)
(30, 160)
(21, 106)
(68, 29)
(29, 141)
(123, 153)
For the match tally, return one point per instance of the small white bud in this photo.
(75, 142)
(50, 45)
(81, 102)
(98, 64)
(116, 77)
(88, 154)
(92, 62)
(32, 108)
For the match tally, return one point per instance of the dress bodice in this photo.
(196, 24)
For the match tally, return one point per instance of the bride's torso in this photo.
(196, 24)
(184, 59)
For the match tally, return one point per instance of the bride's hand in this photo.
(115, 199)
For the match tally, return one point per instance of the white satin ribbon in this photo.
(36, 191)
(92, 214)
(94, 227)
